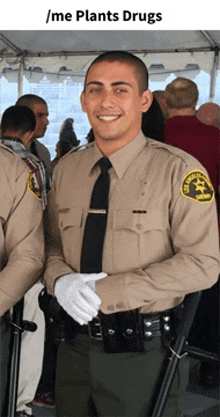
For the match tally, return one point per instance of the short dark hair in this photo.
(128, 58)
(29, 99)
(18, 118)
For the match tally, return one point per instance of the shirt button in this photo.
(139, 226)
(119, 305)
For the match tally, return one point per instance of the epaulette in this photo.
(7, 149)
(81, 147)
(184, 156)
(78, 148)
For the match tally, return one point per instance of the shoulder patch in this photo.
(34, 185)
(197, 186)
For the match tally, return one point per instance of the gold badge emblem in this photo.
(196, 186)
(33, 185)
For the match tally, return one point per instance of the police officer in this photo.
(18, 125)
(21, 246)
(161, 242)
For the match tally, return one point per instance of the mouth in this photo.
(109, 118)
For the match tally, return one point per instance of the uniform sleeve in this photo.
(193, 267)
(55, 262)
(21, 230)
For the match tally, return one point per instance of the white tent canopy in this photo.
(69, 53)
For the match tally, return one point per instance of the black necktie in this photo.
(94, 233)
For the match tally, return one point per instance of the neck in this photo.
(13, 138)
(24, 137)
(110, 146)
(189, 111)
(11, 134)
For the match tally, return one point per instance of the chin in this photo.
(40, 135)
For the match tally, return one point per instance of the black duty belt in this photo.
(126, 331)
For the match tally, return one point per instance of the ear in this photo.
(83, 101)
(27, 137)
(147, 99)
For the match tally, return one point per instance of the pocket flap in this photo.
(70, 217)
(138, 220)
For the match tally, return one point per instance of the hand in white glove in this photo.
(76, 296)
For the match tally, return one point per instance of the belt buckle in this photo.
(95, 329)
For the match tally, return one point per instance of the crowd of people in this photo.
(117, 233)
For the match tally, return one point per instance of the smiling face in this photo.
(114, 104)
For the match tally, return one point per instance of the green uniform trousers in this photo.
(5, 336)
(90, 382)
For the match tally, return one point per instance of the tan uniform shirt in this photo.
(159, 244)
(21, 231)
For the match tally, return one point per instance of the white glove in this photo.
(90, 279)
(74, 293)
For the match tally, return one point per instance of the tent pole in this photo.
(20, 78)
(214, 74)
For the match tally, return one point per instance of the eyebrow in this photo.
(114, 84)
(41, 114)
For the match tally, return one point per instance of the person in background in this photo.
(184, 130)
(139, 269)
(67, 133)
(39, 106)
(90, 136)
(21, 247)
(67, 140)
(17, 128)
(209, 113)
(28, 386)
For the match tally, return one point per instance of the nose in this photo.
(107, 99)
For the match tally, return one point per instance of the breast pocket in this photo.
(139, 238)
(70, 225)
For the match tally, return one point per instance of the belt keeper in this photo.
(95, 329)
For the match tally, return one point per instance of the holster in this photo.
(122, 332)
(60, 327)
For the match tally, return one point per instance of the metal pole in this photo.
(214, 74)
(15, 356)
(20, 78)
(190, 306)
(19, 325)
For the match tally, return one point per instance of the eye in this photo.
(94, 90)
(39, 116)
(121, 90)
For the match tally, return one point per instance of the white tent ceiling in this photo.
(52, 51)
